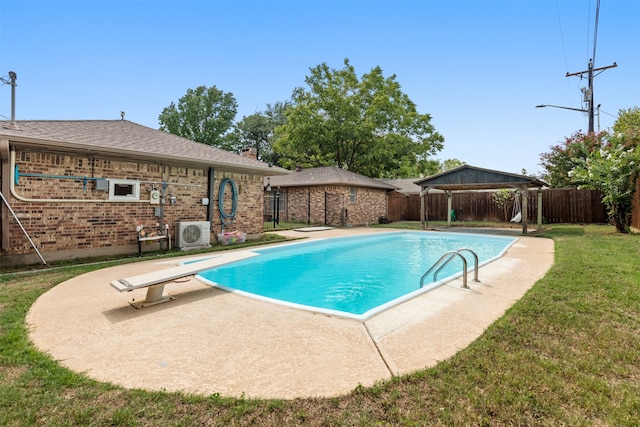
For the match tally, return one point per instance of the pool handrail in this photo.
(450, 255)
(475, 267)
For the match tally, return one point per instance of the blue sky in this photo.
(477, 67)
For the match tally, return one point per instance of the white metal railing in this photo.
(442, 262)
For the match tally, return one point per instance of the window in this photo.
(121, 189)
(352, 194)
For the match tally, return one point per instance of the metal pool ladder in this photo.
(442, 262)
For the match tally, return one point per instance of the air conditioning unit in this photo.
(195, 234)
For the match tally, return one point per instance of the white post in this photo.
(423, 193)
(525, 207)
(539, 208)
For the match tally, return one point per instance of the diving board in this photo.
(154, 281)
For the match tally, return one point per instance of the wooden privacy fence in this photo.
(635, 214)
(559, 205)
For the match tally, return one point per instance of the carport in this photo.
(468, 177)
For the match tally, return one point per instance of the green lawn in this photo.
(567, 353)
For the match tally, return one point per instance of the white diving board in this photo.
(154, 281)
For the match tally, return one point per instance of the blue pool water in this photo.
(353, 276)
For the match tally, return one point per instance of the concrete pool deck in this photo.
(210, 341)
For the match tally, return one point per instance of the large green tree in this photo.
(562, 158)
(628, 123)
(613, 169)
(608, 162)
(203, 114)
(628, 120)
(368, 125)
(257, 131)
(434, 166)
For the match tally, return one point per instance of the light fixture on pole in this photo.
(564, 108)
(582, 110)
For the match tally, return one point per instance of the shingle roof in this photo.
(328, 175)
(404, 185)
(124, 138)
(469, 177)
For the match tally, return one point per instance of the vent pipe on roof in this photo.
(12, 81)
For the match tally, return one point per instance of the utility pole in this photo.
(12, 82)
(588, 93)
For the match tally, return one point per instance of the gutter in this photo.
(120, 153)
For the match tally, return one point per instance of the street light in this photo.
(576, 109)
(564, 108)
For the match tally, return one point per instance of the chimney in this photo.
(12, 81)
(249, 153)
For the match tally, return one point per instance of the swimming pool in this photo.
(352, 276)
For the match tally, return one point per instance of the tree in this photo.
(628, 123)
(434, 167)
(612, 169)
(628, 120)
(257, 131)
(252, 131)
(601, 161)
(505, 199)
(452, 164)
(368, 125)
(205, 115)
(427, 167)
(562, 158)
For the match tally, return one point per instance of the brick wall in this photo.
(79, 221)
(326, 204)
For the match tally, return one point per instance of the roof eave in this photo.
(482, 186)
(118, 152)
(318, 184)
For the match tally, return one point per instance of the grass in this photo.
(285, 225)
(567, 353)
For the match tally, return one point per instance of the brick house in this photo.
(80, 188)
(328, 195)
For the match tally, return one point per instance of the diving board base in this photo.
(155, 280)
(154, 297)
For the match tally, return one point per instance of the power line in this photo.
(588, 92)
(564, 50)
(595, 32)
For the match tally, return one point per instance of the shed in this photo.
(468, 177)
(332, 195)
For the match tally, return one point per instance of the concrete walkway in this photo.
(210, 341)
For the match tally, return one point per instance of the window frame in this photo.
(132, 196)
(353, 194)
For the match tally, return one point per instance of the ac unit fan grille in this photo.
(191, 233)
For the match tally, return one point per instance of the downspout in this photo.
(4, 150)
(210, 194)
(6, 179)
